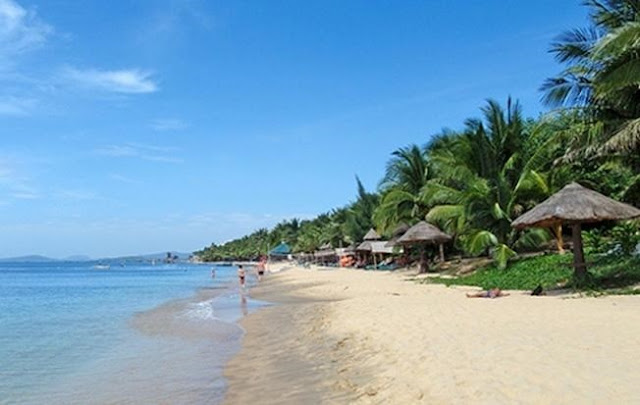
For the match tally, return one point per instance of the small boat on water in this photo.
(102, 266)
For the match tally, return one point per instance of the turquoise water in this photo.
(70, 333)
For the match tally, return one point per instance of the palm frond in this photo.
(501, 254)
(480, 241)
(625, 140)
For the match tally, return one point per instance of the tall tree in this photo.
(602, 77)
(406, 174)
(487, 175)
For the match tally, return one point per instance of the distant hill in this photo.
(77, 258)
(29, 258)
(182, 256)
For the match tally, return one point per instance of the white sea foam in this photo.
(203, 310)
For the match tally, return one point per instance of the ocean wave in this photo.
(203, 310)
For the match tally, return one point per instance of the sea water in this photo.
(71, 333)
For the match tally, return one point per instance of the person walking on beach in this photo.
(261, 269)
(241, 275)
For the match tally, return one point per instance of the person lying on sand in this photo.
(492, 293)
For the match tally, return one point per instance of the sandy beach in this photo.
(365, 337)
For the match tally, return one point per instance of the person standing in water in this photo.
(241, 275)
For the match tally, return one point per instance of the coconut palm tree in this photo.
(359, 215)
(602, 77)
(486, 175)
(402, 201)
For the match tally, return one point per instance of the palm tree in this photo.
(485, 176)
(602, 77)
(406, 174)
(359, 215)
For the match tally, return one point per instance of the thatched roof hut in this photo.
(422, 233)
(364, 246)
(380, 247)
(575, 205)
(371, 235)
(397, 233)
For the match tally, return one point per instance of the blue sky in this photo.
(141, 126)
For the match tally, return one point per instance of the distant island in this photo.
(159, 257)
(28, 258)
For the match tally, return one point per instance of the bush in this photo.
(553, 271)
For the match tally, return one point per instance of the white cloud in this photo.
(13, 185)
(169, 124)
(123, 179)
(132, 81)
(20, 29)
(16, 105)
(75, 195)
(145, 152)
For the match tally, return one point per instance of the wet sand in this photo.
(364, 337)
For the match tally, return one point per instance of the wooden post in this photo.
(579, 265)
(559, 242)
(423, 260)
(441, 253)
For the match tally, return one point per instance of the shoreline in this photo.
(364, 337)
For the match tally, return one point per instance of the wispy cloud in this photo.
(20, 29)
(169, 124)
(75, 195)
(123, 179)
(16, 105)
(170, 19)
(130, 81)
(14, 185)
(140, 151)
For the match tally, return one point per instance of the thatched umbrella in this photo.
(397, 233)
(371, 235)
(575, 205)
(422, 233)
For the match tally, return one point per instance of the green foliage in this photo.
(487, 175)
(621, 239)
(402, 202)
(626, 236)
(501, 254)
(602, 77)
(525, 274)
(611, 274)
(594, 241)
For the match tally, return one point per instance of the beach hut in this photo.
(372, 235)
(397, 233)
(281, 251)
(421, 234)
(326, 254)
(375, 248)
(575, 205)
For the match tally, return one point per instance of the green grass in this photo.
(606, 275)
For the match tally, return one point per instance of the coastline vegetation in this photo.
(552, 271)
(473, 181)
